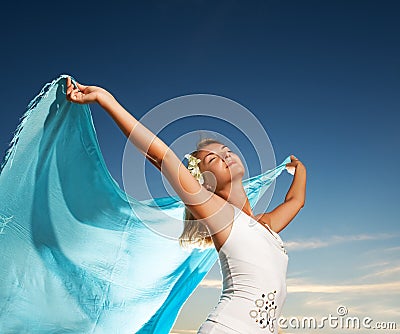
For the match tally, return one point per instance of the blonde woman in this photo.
(252, 257)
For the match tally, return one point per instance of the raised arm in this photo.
(204, 205)
(295, 198)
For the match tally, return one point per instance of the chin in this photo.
(238, 174)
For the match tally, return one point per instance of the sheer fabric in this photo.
(76, 256)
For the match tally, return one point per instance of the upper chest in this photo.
(247, 227)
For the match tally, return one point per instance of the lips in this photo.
(230, 163)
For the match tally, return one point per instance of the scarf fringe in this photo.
(12, 146)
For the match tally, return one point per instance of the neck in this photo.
(235, 194)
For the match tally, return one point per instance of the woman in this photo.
(252, 257)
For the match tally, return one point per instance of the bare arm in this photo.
(295, 198)
(297, 190)
(206, 206)
(145, 141)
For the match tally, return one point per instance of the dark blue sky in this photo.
(323, 77)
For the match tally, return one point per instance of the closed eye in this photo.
(214, 157)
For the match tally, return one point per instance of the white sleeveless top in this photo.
(253, 264)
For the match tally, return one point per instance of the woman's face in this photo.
(219, 166)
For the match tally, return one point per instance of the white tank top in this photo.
(253, 264)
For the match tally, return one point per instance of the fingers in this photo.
(71, 93)
(70, 84)
(71, 90)
(293, 161)
(81, 87)
(75, 97)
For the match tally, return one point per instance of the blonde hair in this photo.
(195, 234)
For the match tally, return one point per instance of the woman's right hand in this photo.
(83, 94)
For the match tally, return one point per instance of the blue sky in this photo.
(322, 77)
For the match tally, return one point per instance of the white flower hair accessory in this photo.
(194, 168)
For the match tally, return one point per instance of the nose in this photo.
(227, 157)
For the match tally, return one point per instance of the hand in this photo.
(292, 166)
(83, 94)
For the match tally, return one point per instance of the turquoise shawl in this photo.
(75, 256)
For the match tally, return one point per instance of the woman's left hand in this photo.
(293, 164)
